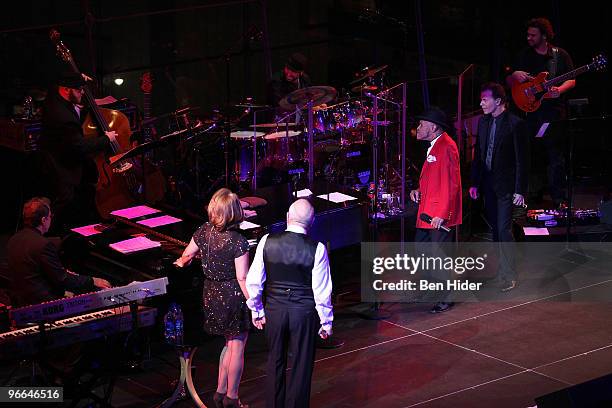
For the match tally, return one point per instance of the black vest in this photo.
(289, 258)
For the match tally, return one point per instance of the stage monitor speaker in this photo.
(596, 393)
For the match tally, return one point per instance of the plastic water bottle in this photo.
(170, 324)
(178, 325)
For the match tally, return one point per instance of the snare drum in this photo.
(284, 147)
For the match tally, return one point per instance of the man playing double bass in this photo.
(73, 171)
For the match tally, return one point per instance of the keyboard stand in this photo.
(186, 354)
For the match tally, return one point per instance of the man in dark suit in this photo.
(293, 272)
(73, 169)
(36, 272)
(500, 168)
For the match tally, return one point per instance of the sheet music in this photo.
(303, 193)
(159, 221)
(87, 230)
(131, 245)
(245, 225)
(534, 231)
(336, 197)
(134, 212)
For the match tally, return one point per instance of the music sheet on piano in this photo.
(136, 244)
(135, 212)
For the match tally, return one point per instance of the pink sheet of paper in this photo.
(87, 230)
(134, 212)
(533, 231)
(134, 244)
(159, 221)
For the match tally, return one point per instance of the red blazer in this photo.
(440, 184)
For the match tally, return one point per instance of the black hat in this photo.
(297, 62)
(435, 115)
(70, 80)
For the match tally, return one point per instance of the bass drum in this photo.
(325, 154)
(352, 165)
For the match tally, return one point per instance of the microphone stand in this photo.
(375, 313)
(228, 126)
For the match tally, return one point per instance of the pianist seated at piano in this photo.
(36, 272)
(224, 253)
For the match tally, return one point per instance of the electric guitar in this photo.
(529, 94)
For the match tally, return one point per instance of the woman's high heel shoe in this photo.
(233, 403)
(218, 399)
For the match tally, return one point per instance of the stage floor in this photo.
(502, 354)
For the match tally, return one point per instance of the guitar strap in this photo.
(553, 63)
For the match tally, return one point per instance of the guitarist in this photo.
(72, 168)
(542, 56)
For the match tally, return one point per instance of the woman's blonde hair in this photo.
(224, 210)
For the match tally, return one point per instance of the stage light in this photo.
(119, 81)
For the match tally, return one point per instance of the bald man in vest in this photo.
(292, 271)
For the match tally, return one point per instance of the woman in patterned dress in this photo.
(225, 260)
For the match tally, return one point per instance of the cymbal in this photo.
(173, 135)
(273, 125)
(369, 73)
(185, 109)
(316, 94)
(278, 135)
(250, 105)
(245, 134)
(364, 87)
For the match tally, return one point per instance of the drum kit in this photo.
(278, 151)
(342, 130)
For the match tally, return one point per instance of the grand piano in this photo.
(337, 225)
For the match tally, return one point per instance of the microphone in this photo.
(427, 219)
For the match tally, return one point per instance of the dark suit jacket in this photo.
(36, 273)
(62, 137)
(510, 164)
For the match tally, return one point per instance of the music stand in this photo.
(565, 128)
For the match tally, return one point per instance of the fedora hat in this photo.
(70, 80)
(435, 115)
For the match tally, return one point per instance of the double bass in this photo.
(124, 182)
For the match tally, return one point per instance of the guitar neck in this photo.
(566, 76)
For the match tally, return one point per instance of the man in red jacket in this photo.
(439, 192)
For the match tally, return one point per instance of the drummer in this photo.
(292, 77)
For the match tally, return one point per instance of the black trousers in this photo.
(434, 235)
(422, 238)
(498, 209)
(290, 330)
